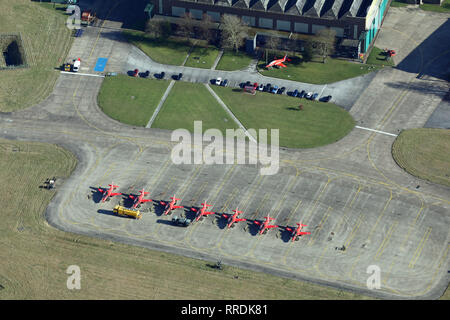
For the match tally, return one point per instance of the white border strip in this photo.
(377, 131)
(83, 74)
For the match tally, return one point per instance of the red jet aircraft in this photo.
(109, 193)
(264, 225)
(171, 205)
(139, 199)
(233, 218)
(296, 232)
(278, 62)
(202, 212)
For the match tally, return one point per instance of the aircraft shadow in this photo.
(221, 222)
(252, 228)
(166, 222)
(96, 195)
(285, 236)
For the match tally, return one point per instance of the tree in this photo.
(206, 27)
(307, 53)
(273, 44)
(186, 25)
(158, 28)
(326, 41)
(234, 32)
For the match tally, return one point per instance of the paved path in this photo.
(160, 104)
(231, 114)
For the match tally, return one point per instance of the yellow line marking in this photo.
(419, 248)
(324, 219)
(385, 241)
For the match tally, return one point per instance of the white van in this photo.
(76, 65)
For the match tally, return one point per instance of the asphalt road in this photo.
(350, 193)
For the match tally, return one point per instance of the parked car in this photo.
(145, 74)
(314, 96)
(177, 76)
(280, 91)
(325, 99)
(295, 93)
(162, 75)
(301, 94)
(255, 85)
(308, 95)
(224, 83)
(218, 81)
(261, 87)
(283, 89)
(135, 72)
(274, 89)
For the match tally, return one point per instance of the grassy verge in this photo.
(377, 57)
(167, 51)
(315, 71)
(318, 124)
(35, 256)
(188, 102)
(46, 41)
(444, 7)
(397, 4)
(131, 100)
(202, 57)
(231, 61)
(424, 153)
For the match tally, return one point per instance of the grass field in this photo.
(167, 51)
(131, 100)
(318, 124)
(377, 57)
(35, 256)
(424, 153)
(315, 71)
(47, 42)
(188, 102)
(202, 57)
(444, 7)
(231, 61)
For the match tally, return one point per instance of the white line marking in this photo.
(83, 74)
(377, 131)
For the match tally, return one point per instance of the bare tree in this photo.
(158, 28)
(206, 27)
(326, 41)
(186, 25)
(234, 32)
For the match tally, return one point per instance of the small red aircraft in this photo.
(296, 232)
(264, 225)
(202, 211)
(139, 199)
(109, 193)
(233, 218)
(171, 205)
(278, 62)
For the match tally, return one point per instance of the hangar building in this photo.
(352, 19)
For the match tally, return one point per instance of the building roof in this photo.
(331, 9)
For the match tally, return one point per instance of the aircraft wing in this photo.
(115, 194)
(146, 200)
(282, 65)
(239, 219)
(132, 197)
(272, 226)
(101, 190)
(257, 222)
(225, 215)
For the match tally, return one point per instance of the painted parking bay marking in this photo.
(101, 64)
